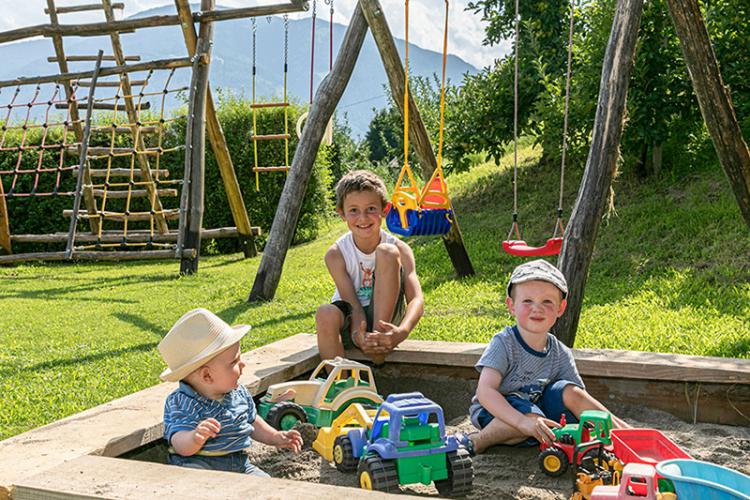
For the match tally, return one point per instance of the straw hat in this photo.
(197, 337)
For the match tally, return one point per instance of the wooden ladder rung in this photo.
(269, 137)
(151, 129)
(133, 83)
(104, 105)
(269, 105)
(119, 32)
(123, 172)
(103, 151)
(170, 214)
(271, 169)
(91, 58)
(83, 8)
(135, 193)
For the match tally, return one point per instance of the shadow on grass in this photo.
(140, 322)
(231, 313)
(96, 283)
(739, 348)
(57, 363)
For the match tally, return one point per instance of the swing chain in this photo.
(252, 20)
(286, 38)
(315, 8)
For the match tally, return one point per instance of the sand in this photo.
(506, 472)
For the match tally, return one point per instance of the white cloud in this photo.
(466, 30)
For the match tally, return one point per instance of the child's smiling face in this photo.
(536, 305)
(363, 213)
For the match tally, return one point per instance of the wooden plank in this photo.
(594, 191)
(127, 423)
(134, 236)
(105, 28)
(180, 62)
(114, 84)
(135, 193)
(103, 151)
(603, 362)
(270, 169)
(90, 476)
(394, 69)
(219, 145)
(327, 97)
(262, 105)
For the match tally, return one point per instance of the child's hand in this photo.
(206, 429)
(290, 440)
(368, 342)
(539, 428)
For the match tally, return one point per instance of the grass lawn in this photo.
(670, 274)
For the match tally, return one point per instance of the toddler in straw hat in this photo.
(210, 419)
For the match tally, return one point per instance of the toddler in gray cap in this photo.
(527, 378)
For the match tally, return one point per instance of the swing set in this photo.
(553, 246)
(427, 211)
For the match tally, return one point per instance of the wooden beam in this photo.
(96, 255)
(134, 236)
(103, 105)
(125, 424)
(580, 235)
(120, 478)
(197, 145)
(180, 62)
(714, 99)
(91, 58)
(5, 241)
(219, 146)
(326, 98)
(122, 172)
(170, 214)
(105, 28)
(453, 241)
(134, 193)
(83, 8)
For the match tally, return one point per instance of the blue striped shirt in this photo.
(526, 372)
(185, 409)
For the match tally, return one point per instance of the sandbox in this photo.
(114, 450)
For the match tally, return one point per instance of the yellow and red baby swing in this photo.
(415, 212)
(553, 245)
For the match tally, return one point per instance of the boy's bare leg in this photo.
(387, 282)
(496, 432)
(328, 322)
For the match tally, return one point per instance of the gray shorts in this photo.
(346, 308)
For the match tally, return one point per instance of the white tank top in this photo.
(360, 266)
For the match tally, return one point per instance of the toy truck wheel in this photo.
(375, 473)
(553, 461)
(460, 475)
(343, 455)
(591, 460)
(285, 415)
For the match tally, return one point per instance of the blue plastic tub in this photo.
(696, 480)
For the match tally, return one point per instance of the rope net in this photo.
(129, 194)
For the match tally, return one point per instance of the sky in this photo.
(466, 30)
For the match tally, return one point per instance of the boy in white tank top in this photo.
(378, 299)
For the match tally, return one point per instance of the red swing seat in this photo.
(521, 249)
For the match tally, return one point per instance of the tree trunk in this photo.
(580, 235)
(326, 98)
(713, 98)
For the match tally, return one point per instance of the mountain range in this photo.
(231, 67)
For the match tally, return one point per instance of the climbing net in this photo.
(128, 195)
(33, 155)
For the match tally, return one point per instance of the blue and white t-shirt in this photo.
(185, 409)
(526, 372)
(360, 266)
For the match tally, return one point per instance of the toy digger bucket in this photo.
(420, 222)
